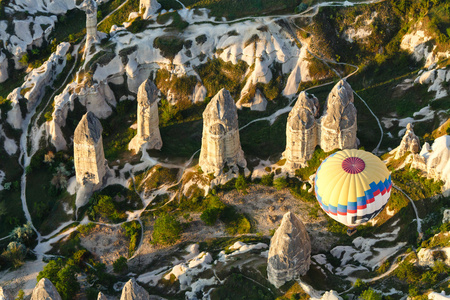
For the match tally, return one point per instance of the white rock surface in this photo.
(438, 296)
(133, 291)
(410, 143)
(446, 216)
(5, 295)
(426, 257)
(90, 6)
(149, 7)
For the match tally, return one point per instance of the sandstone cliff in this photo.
(410, 143)
(45, 290)
(290, 251)
(220, 140)
(133, 291)
(89, 159)
(148, 135)
(338, 124)
(301, 131)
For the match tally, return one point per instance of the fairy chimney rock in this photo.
(101, 296)
(90, 163)
(301, 131)
(148, 7)
(220, 139)
(338, 124)
(45, 290)
(90, 7)
(410, 143)
(133, 291)
(148, 135)
(289, 252)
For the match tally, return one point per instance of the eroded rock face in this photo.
(3, 67)
(5, 295)
(45, 290)
(220, 140)
(90, 6)
(148, 135)
(338, 124)
(149, 7)
(290, 251)
(101, 296)
(89, 158)
(410, 143)
(133, 291)
(301, 131)
(446, 216)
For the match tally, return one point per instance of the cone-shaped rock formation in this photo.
(338, 124)
(220, 140)
(90, 6)
(290, 251)
(301, 131)
(133, 291)
(148, 135)
(410, 143)
(45, 290)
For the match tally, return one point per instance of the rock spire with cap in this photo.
(90, 7)
(289, 252)
(220, 140)
(301, 131)
(148, 135)
(410, 143)
(133, 291)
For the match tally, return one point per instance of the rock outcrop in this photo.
(148, 136)
(89, 158)
(220, 140)
(301, 131)
(45, 290)
(3, 67)
(90, 6)
(338, 124)
(335, 129)
(410, 143)
(290, 251)
(101, 296)
(446, 216)
(5, 295)
(149, 7)
(133, 291)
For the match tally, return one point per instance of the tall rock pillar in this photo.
(149, 7)
(338, 124)
(148, 135)
(90, 163)
(289, 252)
(410, 143)
(301, 132)
(220, 140)
(90, 6)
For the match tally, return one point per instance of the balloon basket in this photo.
(351, 231)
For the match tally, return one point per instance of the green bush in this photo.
(210, 215)
(169, 45)
(132, 231)
(267, 179)
(370, 295)
(120, 265)
(167, 230)
(280, 183)
(241, 184)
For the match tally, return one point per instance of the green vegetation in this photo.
(120, 265)
(118, 17)
(63, 276)
(217, 74)
(15, 254)
(104, 209)
(182, 86)
(155, 177)
(166, 230)
(177, 22)
(132, 231)
(241, 184)
(313, 164)
(238, 286)
(169, 45)
(415, 185)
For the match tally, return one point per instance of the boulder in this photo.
(220, 140)
(290, 251)
(338, 124)
(45, 290)
(446, 216)
(133, 291)
(410, 143)
(148, 135)
(301, 131)
(101, 296)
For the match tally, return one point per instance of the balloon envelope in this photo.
(352, 186)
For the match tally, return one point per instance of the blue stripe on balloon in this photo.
(342, 208)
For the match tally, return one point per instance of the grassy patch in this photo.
(169, 45)
(183, 139)
(313, 164)
(177, 22)
(119, 16)
(182, 86)
(239, 286)
(155, 177)
(217, 74)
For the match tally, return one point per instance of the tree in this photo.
(15, 253)
(67, 284)
(210, 215)
(120, 265)
(267, 179)
(51, 270)
(370, 295)
(241, 185)
(23, 234)
(167, 230)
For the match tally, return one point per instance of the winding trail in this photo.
(418, 220)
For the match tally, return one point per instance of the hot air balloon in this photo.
(352, 187)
